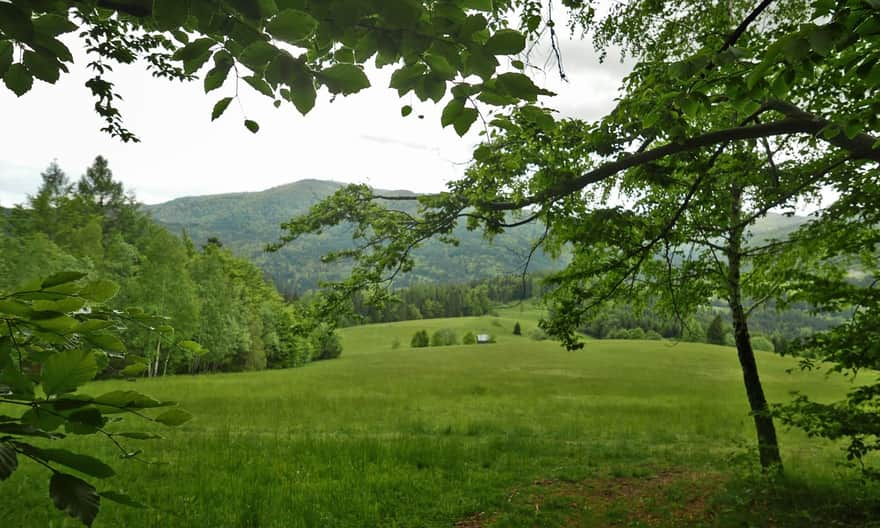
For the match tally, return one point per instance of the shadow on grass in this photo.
(683, 497)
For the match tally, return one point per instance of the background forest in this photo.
(213, 297)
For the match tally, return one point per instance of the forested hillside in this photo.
(210, 295)
(246, 222)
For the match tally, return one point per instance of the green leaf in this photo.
(99, 291)
(85, 421)
(451, 112)
(121, 498)
(135, 369)
(5, 56)
(195, 54)
(405, 110)
(43, 67)
(67, 370)
(220, 107)
(75, 497)
(191, 346)
(173, 417)
(216, 76)
(20, 385)
(479, 5)
(129, 400)
(257, 55)
(83, 463)
(405, 78)
(53, 25)
(822, 41)
(440, 66)
(13, 307)
(251, 125)
(519, 86)
(91, 325)
(505, 42)
(8, 460)
(54, 322)
(292, 25)
(69, 304)
(44, 419)
(344, 78)
(464, 120)
(303, 95)
(15, 23)
(62, 277)
(18, 79)
(539, 117)
(24, 429)
(170, 14)
(400, 13)
(259, 85)
(108, 342)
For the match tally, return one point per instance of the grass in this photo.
(437, 436)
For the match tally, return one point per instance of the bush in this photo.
(653, 336)
(538, 334)
(469, 339)
(715, 334)
(395, 344)
(762, 343)
(517, 330)
(326, 343)
(444, 337)
(635, 333)
(420, 339)
(617, 333)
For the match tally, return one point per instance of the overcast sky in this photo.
(360, 138)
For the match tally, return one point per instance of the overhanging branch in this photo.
(796, 122)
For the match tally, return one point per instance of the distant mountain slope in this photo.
(246, 222)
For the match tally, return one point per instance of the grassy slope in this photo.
(425, 437)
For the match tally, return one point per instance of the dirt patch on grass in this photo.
(659, 499)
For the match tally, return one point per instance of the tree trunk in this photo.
(768, 445)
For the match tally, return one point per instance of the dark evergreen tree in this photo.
(715, 332)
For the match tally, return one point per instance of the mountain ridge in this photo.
(247, 221)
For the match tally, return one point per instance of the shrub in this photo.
(538, 334)
(635, 333)
(715, 332)
(419, 339)
(517, 330)
(326, 344)
(618, 333)
(469, 339)
(653, 335)
(762, 343)
(495, 322)
(444, 337)
(395, 344)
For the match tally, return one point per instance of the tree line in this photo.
(209, 295)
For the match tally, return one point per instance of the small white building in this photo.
(484, 338)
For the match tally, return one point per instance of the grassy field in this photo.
(516, 433)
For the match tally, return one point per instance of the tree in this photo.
(731, 109)
(715, 331)
(516, 329)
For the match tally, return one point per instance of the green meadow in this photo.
(515, 433)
